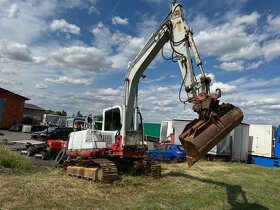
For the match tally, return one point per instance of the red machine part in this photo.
(55, 145)
(114, 150)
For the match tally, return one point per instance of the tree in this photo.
(58, 113)
(49, 111)
(99, 117)
(79, 114)
(64, 113)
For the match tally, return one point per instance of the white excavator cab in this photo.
(112, 125)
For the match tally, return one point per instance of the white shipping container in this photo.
(240, 142)
(261, 140)
(222, 148)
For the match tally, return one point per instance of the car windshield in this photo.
(180, 147)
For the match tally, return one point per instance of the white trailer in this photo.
(175, 126)
(262, 140)
(55, 119)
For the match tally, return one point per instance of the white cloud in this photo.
(246, 19)
(14, 51)
(8, 71)
(119, 20)
(254, 65)
(126, 45)
(93, 9)
(147, 80)
(84, 58)
(271, 49)
(89, 101)
(225, 88)
(14, 11)
(63, 26)
(41, 86)
(70, 81)
(32, 23)
(132, 45)
(10, 82)
(147, 25)
(230, 40)
(232, 66)
(276, 107)
(273, 23)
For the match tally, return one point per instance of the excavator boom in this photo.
(214, 121)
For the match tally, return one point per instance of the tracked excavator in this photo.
(100, 156)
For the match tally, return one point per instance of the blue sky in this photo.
(72, 55)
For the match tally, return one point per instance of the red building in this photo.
(11, 108)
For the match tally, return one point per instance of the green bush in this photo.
(9, 160)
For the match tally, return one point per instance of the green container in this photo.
(98, 125)
(152, 131)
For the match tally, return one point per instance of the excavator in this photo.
(101, 155)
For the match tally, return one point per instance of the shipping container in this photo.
(152, 131)
(262, 140)
(264, 147)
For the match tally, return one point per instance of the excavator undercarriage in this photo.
(105, 170)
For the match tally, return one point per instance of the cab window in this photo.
(113, 120)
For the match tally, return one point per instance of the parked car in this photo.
(168, 152)
(38, 134)
(52, 132)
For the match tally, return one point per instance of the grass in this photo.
(11, 161)
(207, 185)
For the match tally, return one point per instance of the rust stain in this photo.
(179, 26)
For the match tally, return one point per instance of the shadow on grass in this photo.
(233, 191)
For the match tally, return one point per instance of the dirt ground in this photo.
(6, 135)
(13, 135)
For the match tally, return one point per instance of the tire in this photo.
(45, 155)
(60, 157)
(31, 151)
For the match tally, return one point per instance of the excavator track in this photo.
(154, 169)
(102, 170)
(108, 169)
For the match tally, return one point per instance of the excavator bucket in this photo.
(200, 136)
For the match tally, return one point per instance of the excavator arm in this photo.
(214, 122)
